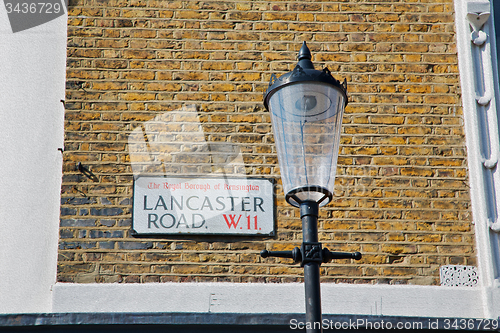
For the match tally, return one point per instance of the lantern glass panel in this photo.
(306, 118)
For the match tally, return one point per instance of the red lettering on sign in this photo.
(232, 223)
(255, 222)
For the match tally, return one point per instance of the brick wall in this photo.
(401, 195)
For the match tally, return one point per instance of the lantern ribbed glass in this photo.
(306, 108)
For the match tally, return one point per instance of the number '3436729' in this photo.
(33, 7)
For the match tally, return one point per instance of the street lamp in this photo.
(306, 107)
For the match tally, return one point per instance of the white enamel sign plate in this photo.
(233, 206)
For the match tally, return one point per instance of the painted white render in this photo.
(478, 74)
(387, 300)
(32, 78)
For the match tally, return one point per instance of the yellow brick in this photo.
(138, 96)
(398, 249)
(191, 14)
(279, 16)
(401, 191)
(400, 271)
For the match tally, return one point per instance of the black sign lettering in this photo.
(172, 220)
(259, 204)
(152, 218)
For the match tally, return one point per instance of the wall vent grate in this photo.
(458, 276)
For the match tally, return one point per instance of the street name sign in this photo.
(203, 206)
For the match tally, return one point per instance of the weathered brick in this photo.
(78, 222)
(135, 245)
(401, 191)
(111, 64)
(76, 268)
(106, 211)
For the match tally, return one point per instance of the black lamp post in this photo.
(306, 108)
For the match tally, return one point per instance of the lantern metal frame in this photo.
(304, 73)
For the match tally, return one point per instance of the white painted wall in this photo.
(478, 74)
(32, 76)
(387, 300)
(32, 80)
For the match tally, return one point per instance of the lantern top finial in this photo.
(304, 52)
(305, 57)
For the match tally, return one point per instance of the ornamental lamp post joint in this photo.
(306, 107)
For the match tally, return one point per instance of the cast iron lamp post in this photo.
(306, 108)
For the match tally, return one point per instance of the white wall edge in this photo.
(379, 300)
(478, 176)
(32, 85)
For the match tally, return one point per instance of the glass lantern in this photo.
(306, 107)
